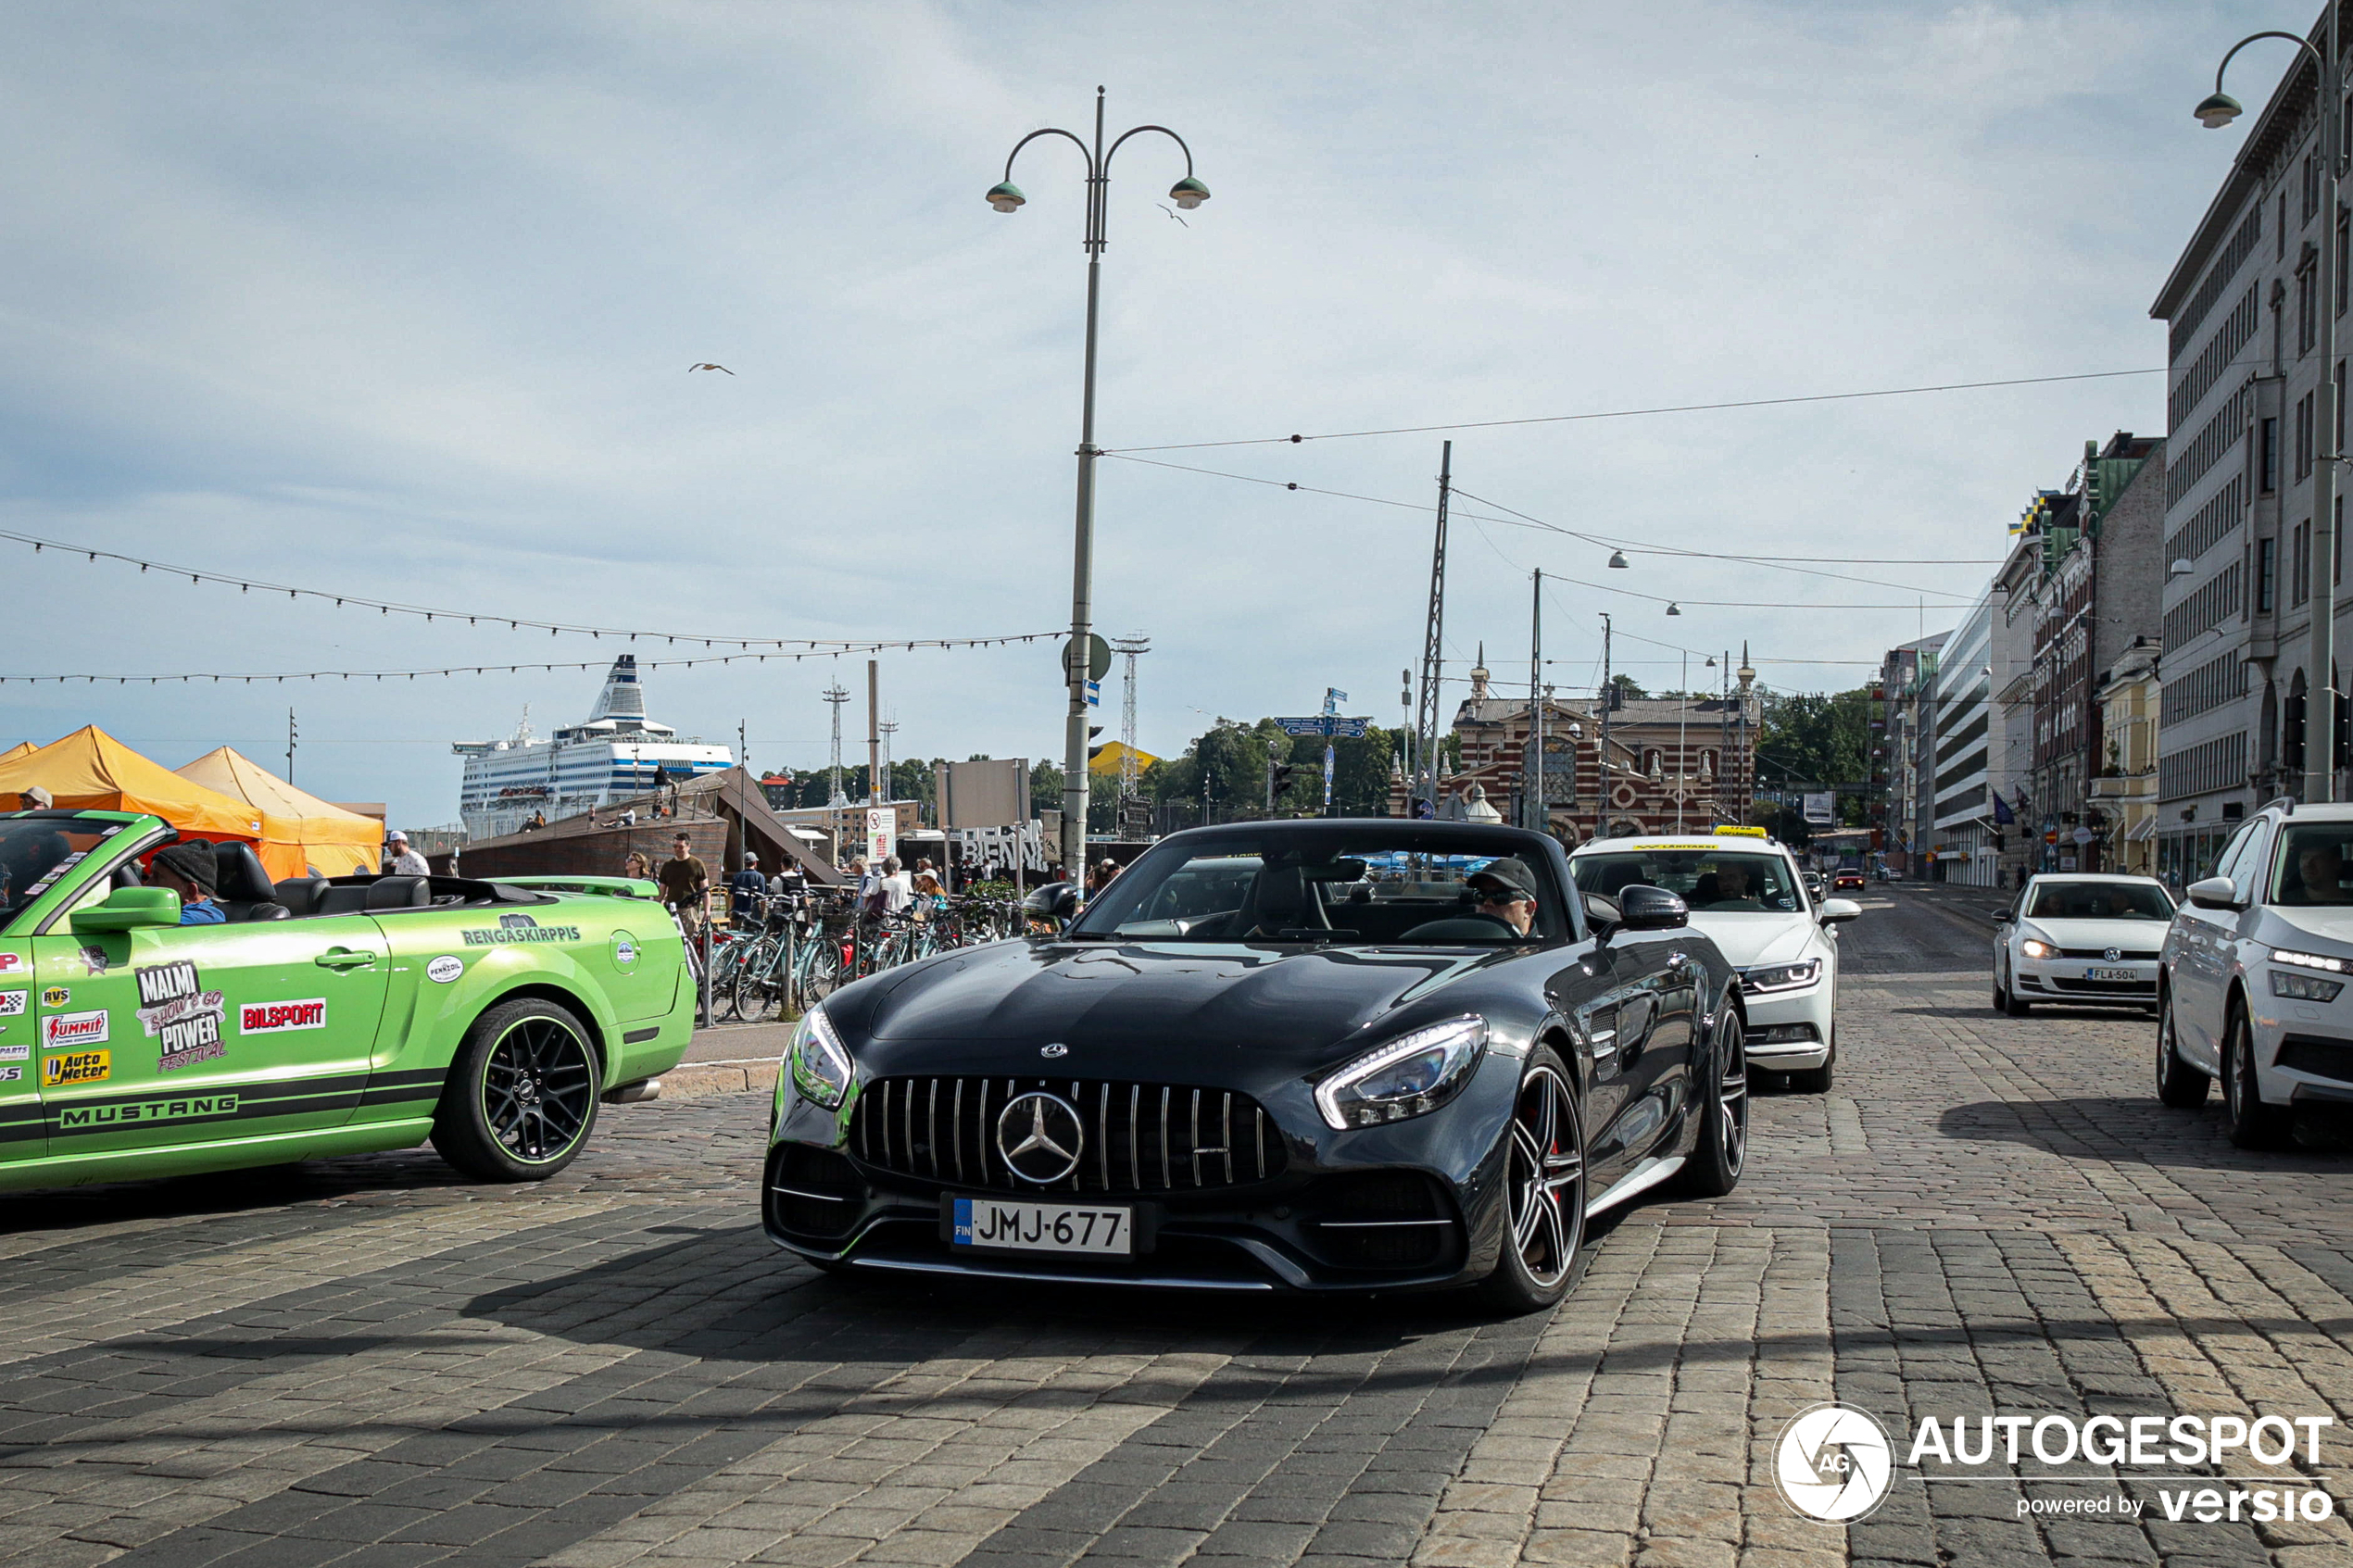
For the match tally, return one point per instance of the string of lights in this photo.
(1639, 413)
(281, 677)
(821, 646)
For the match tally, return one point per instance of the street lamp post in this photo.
(1006, 197)
(2217, 110)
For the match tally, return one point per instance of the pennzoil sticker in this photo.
(81, 1067)
(61, 1031)
(445, 968)
(12, 1003)
(276, 1018)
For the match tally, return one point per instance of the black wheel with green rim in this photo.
(1715, 1167)
(1544, 1191)
(521, 1094)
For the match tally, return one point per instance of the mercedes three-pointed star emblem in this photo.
(1039, 1136)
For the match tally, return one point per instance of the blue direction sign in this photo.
(1325, 725)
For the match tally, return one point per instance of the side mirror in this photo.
(2215, 892)
(1602, 915)
(128, 909)
(1652, 908)
(2004, 916)
(1836, 909)
(1055, 901)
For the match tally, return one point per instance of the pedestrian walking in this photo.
(686, 881)
(405, 860)
(745, 890)
(638, 864)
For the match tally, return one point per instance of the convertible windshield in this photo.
(2100, 900)
(1712, 881)
(1382, 887)
(36, 851)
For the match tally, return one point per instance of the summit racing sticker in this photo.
(175, 1008)
(278, 1018)
(521, 928)
(61, 1030)
(80, 1067)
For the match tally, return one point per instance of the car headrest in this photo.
(237, 873)
(399, 893)
(301, 894)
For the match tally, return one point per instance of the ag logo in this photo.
(1832, 1463)
(1039, 1136)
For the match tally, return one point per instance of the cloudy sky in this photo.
(398, 301)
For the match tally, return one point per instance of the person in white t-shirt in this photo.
(896, 889)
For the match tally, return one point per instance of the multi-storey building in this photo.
(2242, 310)
(1907, 679)
(2124, 790)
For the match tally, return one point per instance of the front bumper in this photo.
(2067, 980)
(2303, 1051)
(1791, 1030)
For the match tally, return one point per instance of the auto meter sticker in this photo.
(12, 1003)
(81, 1067)
(61, 1031)
(521, 928)
(277, 1018)
(176, 1009)
(56, 996)
(445, 969)
(16, 1053)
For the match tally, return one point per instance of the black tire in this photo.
(521, 1098)
(2001, 994)
(1817, 1080)
(1544, 1193)
(2249, 1123)
(1715, 1166)
(2178, 1083)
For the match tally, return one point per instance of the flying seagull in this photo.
(1174, 215)
(692, 369)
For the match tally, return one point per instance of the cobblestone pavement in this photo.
(370, 1364)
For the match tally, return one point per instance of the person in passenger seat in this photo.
(187, 870)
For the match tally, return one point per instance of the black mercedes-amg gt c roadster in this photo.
(1330, 1055)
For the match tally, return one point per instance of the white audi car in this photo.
(1745, 892)
(2254, 972)
(2080, 937)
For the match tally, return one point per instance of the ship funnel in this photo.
(622, 697)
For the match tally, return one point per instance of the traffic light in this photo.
(2292, 734)
(2343, 745)
(1283, 772)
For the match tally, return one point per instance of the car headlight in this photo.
(1406, 1077)
(821, 1068)
(2309, 961)
(2035, 947)
(1782, 977)
(2303, 988)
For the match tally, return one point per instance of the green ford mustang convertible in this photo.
(327, 1016)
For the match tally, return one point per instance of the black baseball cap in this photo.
(191, 862)
(1513, 874)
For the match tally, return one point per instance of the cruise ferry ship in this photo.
(608, 757)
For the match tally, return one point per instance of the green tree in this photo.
(1820, 738)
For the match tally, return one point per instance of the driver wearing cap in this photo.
(190, 870)
(1506, 890)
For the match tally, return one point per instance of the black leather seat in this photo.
(385, 893)
(300, 895)
(240, 886)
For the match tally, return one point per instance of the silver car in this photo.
(2252, 978)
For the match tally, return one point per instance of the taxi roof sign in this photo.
(1729, 831)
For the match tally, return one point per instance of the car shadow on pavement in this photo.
(352, 1178)
(2137, 1128)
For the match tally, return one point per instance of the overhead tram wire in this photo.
(1521, 520)
(821, 646)
(1636, 413)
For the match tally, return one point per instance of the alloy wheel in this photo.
(1546, 1177)
(1731, 1101)
(538, 1089)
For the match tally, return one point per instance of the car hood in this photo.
(2321, 924)
(1750, 939)
(2132, 935)
(1106, 1002)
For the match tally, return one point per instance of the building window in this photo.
(2279, 237)
(2304, 436)
(2311, 184)
(2343, 237)
(2268, 450)
(2299, 564)
(2307, 318)
(2266, 557)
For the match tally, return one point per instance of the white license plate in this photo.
(994, 1224)
(2111, 974)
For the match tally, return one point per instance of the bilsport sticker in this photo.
(277, 1018)
(445, 968)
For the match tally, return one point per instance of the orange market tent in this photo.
(15, 751)
(90, 770)
(298, 830)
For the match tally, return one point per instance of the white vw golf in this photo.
(2079, 937)
(1745, 892)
